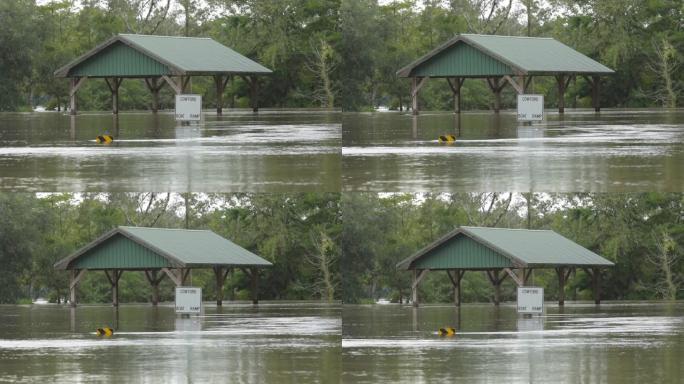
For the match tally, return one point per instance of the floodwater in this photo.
(272, 151)
(238, 343)
(614, 151)
(613, 343)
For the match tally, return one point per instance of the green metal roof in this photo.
(522, 55)
(490, 248)
(127, 55)
(149, 248)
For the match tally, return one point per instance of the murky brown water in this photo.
(273, 151)
(614, 151)
(238, 343)
(613, 343)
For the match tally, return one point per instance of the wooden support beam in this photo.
(418, 275)
(496, 281)
(496, 84)
(527, 272)
(178, 276)
(255, 286)
(76, 83)
(253, 83)
(113, 84)
(519, 87)
(563, 274)
(220, 82)
(177, 88)
(511, 273)
(154, 85)
(416, 85)
(154, 281)
(220, 273)
(76, 276)
(456, 276)
(114, 282)
(563, 82)
(595, 275)
(528, 81)
(595, 83)
(455, 83)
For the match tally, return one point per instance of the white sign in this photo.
(530, 107)
(188, 300)
(188, 107)
(530, 300)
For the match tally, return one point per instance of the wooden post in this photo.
(595, 274)
(414, 285)
(595, 83)
(220, 280)
(254, 95)
(76, 276)
(114, 282)
(563, 275)
(597, 286)
(220, 83)
(456, 282)
(496, 281)
(255, 286)
(417, 277)
(416, 85)
(526, 275)
(76, 83)
(597, 93)
(455, 86)
(563, 83)
(113, 85)
(496, 84)
(154, 281)
(154, 85)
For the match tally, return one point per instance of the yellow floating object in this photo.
(106, 331)
(104, 139)
(446, 331)
(447, 139)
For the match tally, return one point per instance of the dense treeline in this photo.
(643, 41)
(298, 233)
(297, 39)
(642, 233)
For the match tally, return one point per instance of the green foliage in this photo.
(379, 38)
(37, 231)
(37, 39)
(380, 231)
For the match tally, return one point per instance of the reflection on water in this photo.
(610, 343)
(614, 151)
(234, 343)
(271, 151)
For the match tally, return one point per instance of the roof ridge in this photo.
(166, 36)
(167, 229)
(508, 36)
(512, 229)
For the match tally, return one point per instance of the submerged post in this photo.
(563, 274)
(220, 83)
(220, 275)
(455, 84)
(76, 83)
(255, 286)
(154, 281)
(496, 84)
(154, 85)
(563, 83)
(416, 85)
(456, 276)
(76, 275)
(113, 86)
